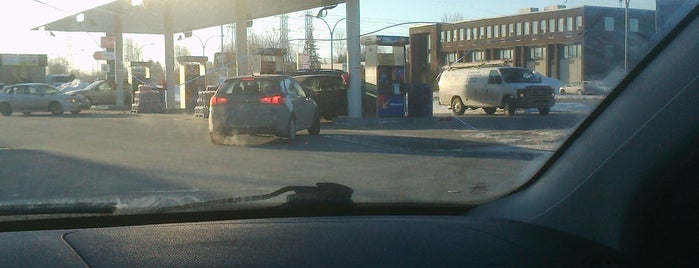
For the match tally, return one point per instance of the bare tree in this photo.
(339, 47)
(182, 51)
(452, 17)
(58, 65)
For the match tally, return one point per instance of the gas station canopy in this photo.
(148, 17)
(168, 17)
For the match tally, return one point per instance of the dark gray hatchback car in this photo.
(265, 104)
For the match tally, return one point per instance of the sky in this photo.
(79, 47)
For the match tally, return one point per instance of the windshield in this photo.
(516, 75)
(381, 124)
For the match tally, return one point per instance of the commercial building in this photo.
(19, 68)
(570, 44)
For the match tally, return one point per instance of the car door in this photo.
(37, 99)
(27, 99)
(104, 93)
(493, 87)
(303, 106)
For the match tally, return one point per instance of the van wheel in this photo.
(457, 106)
(544, 111)
(489, 110)
(510, 109)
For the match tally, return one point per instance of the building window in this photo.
(481, 32)
(461, 34)
(503, 30)
(569, 24)
(633, 25)
(496, 31)
(429, 48)
(448, 38)
(455, 36)
(489, 32)
(442, 36)
(512, 29)
(475, 33)
(468, 34)
(578, 23)
(478, 55)
(561, 26)
(535, 27)
(519, 28)
(527, 28)
(572, 51)
(609, 24)
(537, 53)
(552, 25)
(543, 26)
(505, 54)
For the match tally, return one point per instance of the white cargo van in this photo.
(492, 86)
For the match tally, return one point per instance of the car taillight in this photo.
(218, 100)
(276, 99)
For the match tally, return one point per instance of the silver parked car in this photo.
(266, 104)
(103, 92)
(36, 97)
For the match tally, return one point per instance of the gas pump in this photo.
(192, 79)
(385, 73)
(269, 61)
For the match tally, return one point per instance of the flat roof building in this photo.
(570, 44)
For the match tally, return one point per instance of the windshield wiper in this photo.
(324, 194)
(57, 208)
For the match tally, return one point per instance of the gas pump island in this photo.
(384, 74)
(192, 79)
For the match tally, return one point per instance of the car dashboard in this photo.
(397, 241)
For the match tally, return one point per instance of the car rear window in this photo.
(324, 82)
(251, 86)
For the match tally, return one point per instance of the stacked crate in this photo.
(202, 108)
(147, 100)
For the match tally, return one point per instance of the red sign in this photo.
(107, 42)
(97, 55)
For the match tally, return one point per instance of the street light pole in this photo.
(332, 31)
(626, 35)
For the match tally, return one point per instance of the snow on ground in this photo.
(564, 103)
(540, 139)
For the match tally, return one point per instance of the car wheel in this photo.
(5, 109)
(217, 137)
(489, 110)
(544, 111)
(315, 127)
(563, 92)
(579, 92)
(75, 112)
(510, 109)
(457, 106)
(55, 108)
(291, 131)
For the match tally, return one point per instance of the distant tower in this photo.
(309, 45)
(284, 35)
